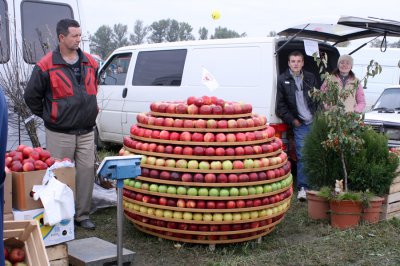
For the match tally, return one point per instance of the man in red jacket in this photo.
(62, 91)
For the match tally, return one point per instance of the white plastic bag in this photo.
(57, 198)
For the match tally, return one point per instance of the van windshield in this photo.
(389, 100)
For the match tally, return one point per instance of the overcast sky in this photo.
(255, 17)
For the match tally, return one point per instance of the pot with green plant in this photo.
(341, 139)
(318, 204)
(372, 207)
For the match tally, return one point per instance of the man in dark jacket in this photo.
(62, 91)
(296, 108)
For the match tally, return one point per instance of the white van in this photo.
(27, 32)
(245, 68)
(389, 60)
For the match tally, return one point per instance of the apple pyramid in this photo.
(212, 172)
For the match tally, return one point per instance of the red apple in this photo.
(16, 255)
(200, 123)
(185, 136)
(205, 110)
(197, 137)
(181, 109)
(219, 151)
(209, 151)
(210, 178)
(222, 178)
(220, 137)
(222, 124)
(240, 137)
(211, 123)
(233, 178)
(217, 110)
(175, 136)
(188, 123)
(192, 109)
(178, 123)
(209, 137)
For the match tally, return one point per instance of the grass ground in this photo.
(298, 240)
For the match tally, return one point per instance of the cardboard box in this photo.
(28, 233)
(8, 193)
(23, 182)
(59, 233)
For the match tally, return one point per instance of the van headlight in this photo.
(393, 133)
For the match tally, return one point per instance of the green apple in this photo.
(267, 188)
(236, 216)
(262, 213)
(203, 191)
(204, 165)
(224, 192)
(168, 214)
(245, 215)
(151, 211)
(197, 216)
(248, 163)
(207, 217)
(214, 192)
(143, 160)
(137, 184)
(143, 209)
(181, 190)
(162, 188)
(252, 190)
(243, 191)
(228, 217)
(227, 165)
(131, 183)
(193, 164)
(233, 191)
(159, 213)
(278, 185)
(177, 215)
(171, 190)
(254, 214)
(259, 190)
(274, 186)
(218, 217)
(153, 188)
(187, 216)
(192, 191)
(126, 182)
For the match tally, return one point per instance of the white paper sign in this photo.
(209, 80)
(311, 47)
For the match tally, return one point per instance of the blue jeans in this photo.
(300, 134)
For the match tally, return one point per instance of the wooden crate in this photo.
(391, 207)
(58, 255)
(29, 233)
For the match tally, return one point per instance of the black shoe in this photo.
(86, 224)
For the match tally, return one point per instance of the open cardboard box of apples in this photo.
(28, 166)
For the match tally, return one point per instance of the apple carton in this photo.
(52, 235)
(8, 194)
(23, 182)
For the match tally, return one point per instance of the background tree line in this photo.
(106, 39)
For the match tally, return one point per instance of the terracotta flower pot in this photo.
(318, 207)
(371, 214)
(345, 213)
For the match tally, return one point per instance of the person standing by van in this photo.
(346, 79)
(296, 108)
(62, 91)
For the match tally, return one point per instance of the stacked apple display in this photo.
(212, 172)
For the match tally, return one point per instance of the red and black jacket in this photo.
(54, 94)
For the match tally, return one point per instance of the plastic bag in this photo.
(57, 198)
